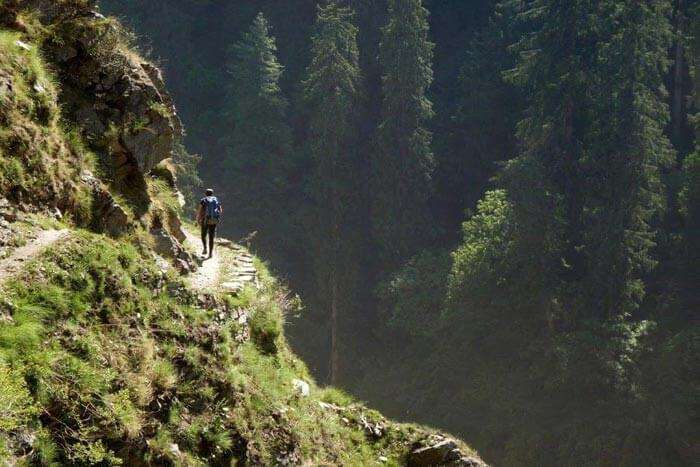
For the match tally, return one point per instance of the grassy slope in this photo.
(103, 359)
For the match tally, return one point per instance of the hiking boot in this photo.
(204, 253)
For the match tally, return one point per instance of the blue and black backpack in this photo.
(212, 210)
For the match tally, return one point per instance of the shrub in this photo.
(266, 326)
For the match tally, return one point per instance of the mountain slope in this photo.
(109, 353)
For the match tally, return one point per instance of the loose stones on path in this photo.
(243, 272)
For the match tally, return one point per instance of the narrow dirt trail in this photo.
(44, 239)
(207, 275)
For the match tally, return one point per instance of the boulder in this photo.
(301, 387)
(156, 77)
(169, 247)
(437, 454)
(442, 452)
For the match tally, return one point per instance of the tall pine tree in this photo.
(626, 147)
(258, 143)
(402, 162)
(587, 184)
(332, 91)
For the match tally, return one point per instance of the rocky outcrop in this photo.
(118, 99)
(438, 450)
(431, 449)
(107, 214)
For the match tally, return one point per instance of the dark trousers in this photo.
(211, 231)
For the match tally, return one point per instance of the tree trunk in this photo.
(677, 98)
(334, 329)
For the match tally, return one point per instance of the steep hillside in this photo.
(116, 347)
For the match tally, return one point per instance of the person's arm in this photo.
(200, 214)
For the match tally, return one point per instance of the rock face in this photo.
(119, 99)
(441, 451)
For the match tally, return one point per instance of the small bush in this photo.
(163, 374)
(122, 412)
(266, 327)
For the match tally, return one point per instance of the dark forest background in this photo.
(491, 209)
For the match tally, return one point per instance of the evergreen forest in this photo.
(491, 209)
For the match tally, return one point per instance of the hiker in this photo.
(208, 217)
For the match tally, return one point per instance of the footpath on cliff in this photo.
(230, 269)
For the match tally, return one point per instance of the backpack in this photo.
(212, 210)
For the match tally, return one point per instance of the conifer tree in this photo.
(690, 195)
(331, 90)
(586, 186)
(402, 162)
(258, 144)
(625, 150)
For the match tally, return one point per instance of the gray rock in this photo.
(301, 387)
(180, 198)
(23, 45)
(9, 215)
(164, 244)
(90, 120)
(65, 53)
(442, 453)
(467, 462)
(169, 247)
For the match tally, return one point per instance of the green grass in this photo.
(100, 363)
(38, 156)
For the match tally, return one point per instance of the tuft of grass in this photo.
(266, 326)
(331, 395)
(163, 375)
(161, 109)
(126, 416)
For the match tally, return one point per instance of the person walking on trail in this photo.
(208, 217)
